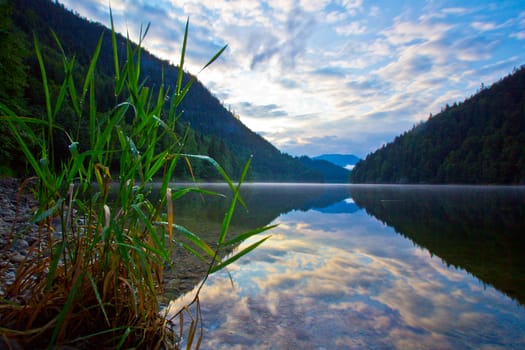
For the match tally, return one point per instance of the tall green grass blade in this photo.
(168, 172)
(22, 121)
(183, 191)
(139, 50)
(184, 91)
(214, 58)
(229, 214)
(244, 236)
(123, 339)
(193, 238)
(12, 118)
(91, 70)
(110, 125)
(92, 117)
(192, 251)
(68, 68)
(59, 44)
(157, 164)
(45, 86)
(152, 231)
(216, 165)
(115, 50)
(169, 130)
(72, 90)
(238, 255)
(159, 256)
(182, 55)
(60, 99)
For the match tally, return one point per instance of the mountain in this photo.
(346, 161)
(210, 128)
(331, 173)
(478, 141)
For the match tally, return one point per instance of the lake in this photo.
(367, 267)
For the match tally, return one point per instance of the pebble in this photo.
(14, 244)
(19, 244)
(17, 258)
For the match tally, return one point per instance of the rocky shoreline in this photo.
(17, 234)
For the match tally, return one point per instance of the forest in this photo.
(478, 141)
(206, 127)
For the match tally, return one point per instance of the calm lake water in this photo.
(369, 267)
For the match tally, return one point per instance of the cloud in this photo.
(291, 58)
(353, 28)
(454, 10)
(347, 291)
(358, 142)
(288, 83)
(267, 50)
(483, 26)
(288, 44)
(260, 111)
(368, 86)
(330, 71)
(518, 35)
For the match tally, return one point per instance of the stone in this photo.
(19, 244)
(17, 258)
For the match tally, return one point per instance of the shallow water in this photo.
(376, 267)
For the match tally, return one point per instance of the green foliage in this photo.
(99, 277)
(204, 121)
(479, 141)
(12, 53)
(13, 83)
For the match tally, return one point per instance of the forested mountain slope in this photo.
(343, 160)
(479, 141)
(213, 130)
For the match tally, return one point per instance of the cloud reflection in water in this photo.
(340, 281)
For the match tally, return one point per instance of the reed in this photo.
(94, 275)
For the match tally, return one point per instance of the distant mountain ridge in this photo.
(331, 172)
(210, 128)
(346, 161)
(479, 141)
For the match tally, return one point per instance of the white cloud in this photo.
(353, 28)
(483, 26)
(351, 64)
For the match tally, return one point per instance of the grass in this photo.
(94, 280)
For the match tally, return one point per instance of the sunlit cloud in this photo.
(335, 59)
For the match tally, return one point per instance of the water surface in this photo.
(376, 267)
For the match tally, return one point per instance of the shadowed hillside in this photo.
(209, 128)
(479, 141)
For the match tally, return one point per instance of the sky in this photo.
(330, 76)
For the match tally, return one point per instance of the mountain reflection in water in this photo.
(478, 229)
(336, 277)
